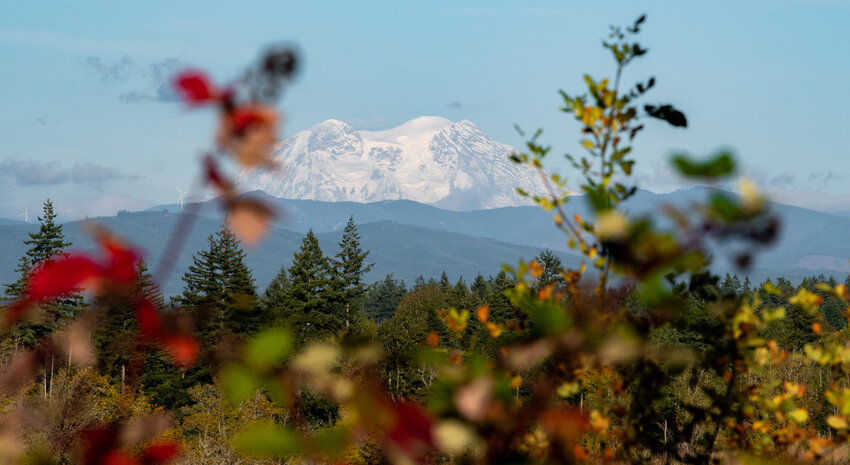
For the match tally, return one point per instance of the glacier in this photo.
(430, 159)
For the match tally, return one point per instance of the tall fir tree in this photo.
(48, 242)
(219, 288)
(479, 289)
(311, 308)
(383, 298)
(348, 269)
(553, 270)
(116, 328)
(273, 301)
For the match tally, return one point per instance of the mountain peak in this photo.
(428, 159)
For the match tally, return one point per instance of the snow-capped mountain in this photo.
(429, 159)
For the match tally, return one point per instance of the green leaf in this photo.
(239, 383)
(720, 165)
(266, 440)
(268, 348)
(724, 208)
(620, 153)
(598, 199)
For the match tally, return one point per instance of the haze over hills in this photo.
(406, 251)
(452, 165)
(409, 239)
(810, 241)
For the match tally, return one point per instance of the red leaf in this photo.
(149, 320)
(162, 452)
(182, 349)
(411, 431)
(115, 457)
(236, 122)
(98, 443)
(61, 276)
(214, 176)
(121, 260)
(195, 87)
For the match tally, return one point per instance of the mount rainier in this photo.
(451, 165)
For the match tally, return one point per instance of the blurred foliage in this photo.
(640, 355)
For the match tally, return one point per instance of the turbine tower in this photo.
(26, 214)
(180, 195)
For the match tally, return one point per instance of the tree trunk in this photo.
(346, 314)
(52, 362)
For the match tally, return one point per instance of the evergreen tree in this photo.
(47, 243)
(731, 286)
(273, 302)
(383, 298)
(310, 311)
(445, 285)
(553, 269)
(747, 286)
(501, 309)
(219, 288)
(116, 328)
(459, 296)
(479, 289)
(348, 271)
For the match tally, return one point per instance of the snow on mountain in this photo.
(429, 159)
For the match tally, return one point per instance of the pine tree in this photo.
(445, 285)
(309, 310)
(273, 302)
(479, 289)
(383, 298)
(219, 285)
(348, 271)
(47, 243)
(116, 329)
(459, 297)
(552, 269)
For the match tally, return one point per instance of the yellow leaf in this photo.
(495, 330)
(798, 416)
(568, 389)
(611, 225)
(835, 422)
(587, 143)
(598, 422)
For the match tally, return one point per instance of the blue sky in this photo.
(81, 119)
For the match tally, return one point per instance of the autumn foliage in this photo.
(636, 356)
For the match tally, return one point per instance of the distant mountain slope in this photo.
(404, 250)
(429, 159)
(810, 241)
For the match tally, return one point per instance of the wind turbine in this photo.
(180, 195)
(26, 214)
(64, 210)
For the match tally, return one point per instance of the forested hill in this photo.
(810, 241)
(408, 238)
(405, 251)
